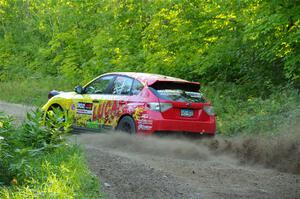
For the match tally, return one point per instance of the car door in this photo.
(94, 94)
(118, 100)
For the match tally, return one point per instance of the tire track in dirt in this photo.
(150, 167)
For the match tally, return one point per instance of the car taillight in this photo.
(165, 106)
(209, 110)
(162, 107)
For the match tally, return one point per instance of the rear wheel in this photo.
(127, 125)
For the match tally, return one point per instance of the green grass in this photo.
(32, 91)
(61, 174)
(37, 161)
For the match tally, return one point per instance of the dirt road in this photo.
(149, 167)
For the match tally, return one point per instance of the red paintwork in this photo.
(98, 110)
(169, 120)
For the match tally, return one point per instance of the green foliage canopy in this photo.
(250, 43)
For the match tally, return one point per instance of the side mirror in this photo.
(78, 89)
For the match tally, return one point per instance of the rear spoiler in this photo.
(185, 85)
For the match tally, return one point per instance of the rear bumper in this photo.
(168, 125)
(185, 126)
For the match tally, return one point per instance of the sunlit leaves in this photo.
(254, 43)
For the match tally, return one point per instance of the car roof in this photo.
(149, 78)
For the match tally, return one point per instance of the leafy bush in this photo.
(239, 113)
(6, 129)
(29, 141)
(60, 174)
(36, 159)
(41, 135)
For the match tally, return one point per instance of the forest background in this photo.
(245, 53)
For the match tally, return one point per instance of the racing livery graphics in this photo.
(137, 103)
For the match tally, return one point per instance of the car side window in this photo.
(136, 87)
(99, 86)
(122, 85)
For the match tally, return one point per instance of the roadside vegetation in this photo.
(37, 161)
(245, 53)
(32, 90)
(251, 115)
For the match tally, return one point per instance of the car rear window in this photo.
(179, 92)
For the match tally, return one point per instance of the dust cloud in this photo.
(165, 147)
(281, 152)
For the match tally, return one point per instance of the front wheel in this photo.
(127, 125)
(55, 117)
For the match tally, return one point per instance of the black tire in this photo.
(127, 125)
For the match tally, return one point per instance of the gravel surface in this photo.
(17, 111)
(149, 167)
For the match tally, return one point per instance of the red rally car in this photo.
(137, 103)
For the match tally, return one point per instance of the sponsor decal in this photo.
(145, 124)
(107, 113)
(144, 127)
(84, 108)
(93, 125)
